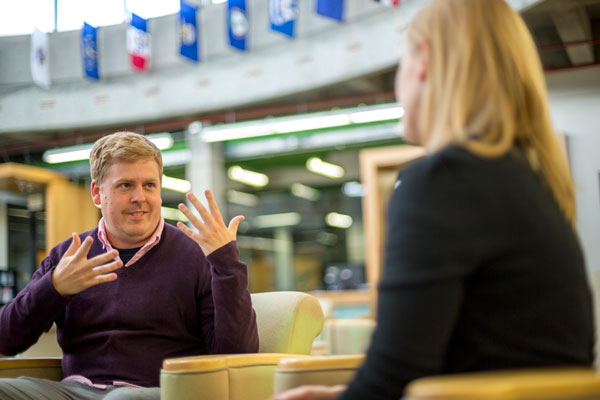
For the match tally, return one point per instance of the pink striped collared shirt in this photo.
(153, 241)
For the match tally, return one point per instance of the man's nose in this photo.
(138, 194)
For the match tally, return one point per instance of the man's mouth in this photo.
(137, 213)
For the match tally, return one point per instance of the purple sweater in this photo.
(172, 302)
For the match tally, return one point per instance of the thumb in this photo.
(74, 246)
(234, 223)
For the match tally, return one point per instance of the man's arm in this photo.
(39, 304)
(228, 320)
(31, 312)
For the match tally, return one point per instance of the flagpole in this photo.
(125, 16)
(55, 15)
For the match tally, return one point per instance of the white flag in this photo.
(40, 65)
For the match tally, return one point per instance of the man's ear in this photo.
(95, 189)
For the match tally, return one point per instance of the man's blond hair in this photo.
(119, 147)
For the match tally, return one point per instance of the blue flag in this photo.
(331, 8)
(89, 50)
(283, 15)
(237, 21)
(188, 32)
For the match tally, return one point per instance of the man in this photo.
(180, 292)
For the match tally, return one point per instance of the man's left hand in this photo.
(211, 231)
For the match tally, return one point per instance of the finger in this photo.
(103, 258)
(214, 208)
(103, 279)
(183, 227)
(84, 248)
(206, 217)
(75, 243)
(107, 268)
(192, 217)
(234, 223)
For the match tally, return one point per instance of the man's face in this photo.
(130, 202)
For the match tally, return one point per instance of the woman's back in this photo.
(482, 271)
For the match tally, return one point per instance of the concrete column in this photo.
(284, 259)
(206, 170)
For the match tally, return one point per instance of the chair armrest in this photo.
(47, 368)
(555, 384)
(219, 377)
(321, 370)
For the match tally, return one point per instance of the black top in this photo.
(127, 254)
(482, 272)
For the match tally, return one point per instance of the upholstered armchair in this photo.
(288, 322)
(540, 384)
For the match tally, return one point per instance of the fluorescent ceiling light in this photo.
(74, 153)
(307, 122)
(242, 198)
(173, 214)
(338, 220)
(162, 140)
(264, 128)
(242, 132)
(277, 220)
(382, 114)
(82, 152)
(247, 177)
(318, 166)
(353, 189)
(305, 192)
(177, 185)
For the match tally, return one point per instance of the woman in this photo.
(483, 269)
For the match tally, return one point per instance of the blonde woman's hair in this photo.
(485, 88)
(118, 147)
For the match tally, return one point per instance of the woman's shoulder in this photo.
(446, 164)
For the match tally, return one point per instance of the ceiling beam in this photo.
(573, 25)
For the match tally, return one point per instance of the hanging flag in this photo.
(237, 20)
(389, 3)
(188, 31)
(89, 50)
(331, 8)
(40, 62)
(138, 43)
(283, 15)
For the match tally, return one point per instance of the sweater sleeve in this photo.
(31, 312)
(421, 291)
(232, 326)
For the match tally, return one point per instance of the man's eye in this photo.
(150, 185)
(124, 185)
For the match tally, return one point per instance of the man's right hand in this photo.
(75, 272)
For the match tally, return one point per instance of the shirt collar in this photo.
(152, 241)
